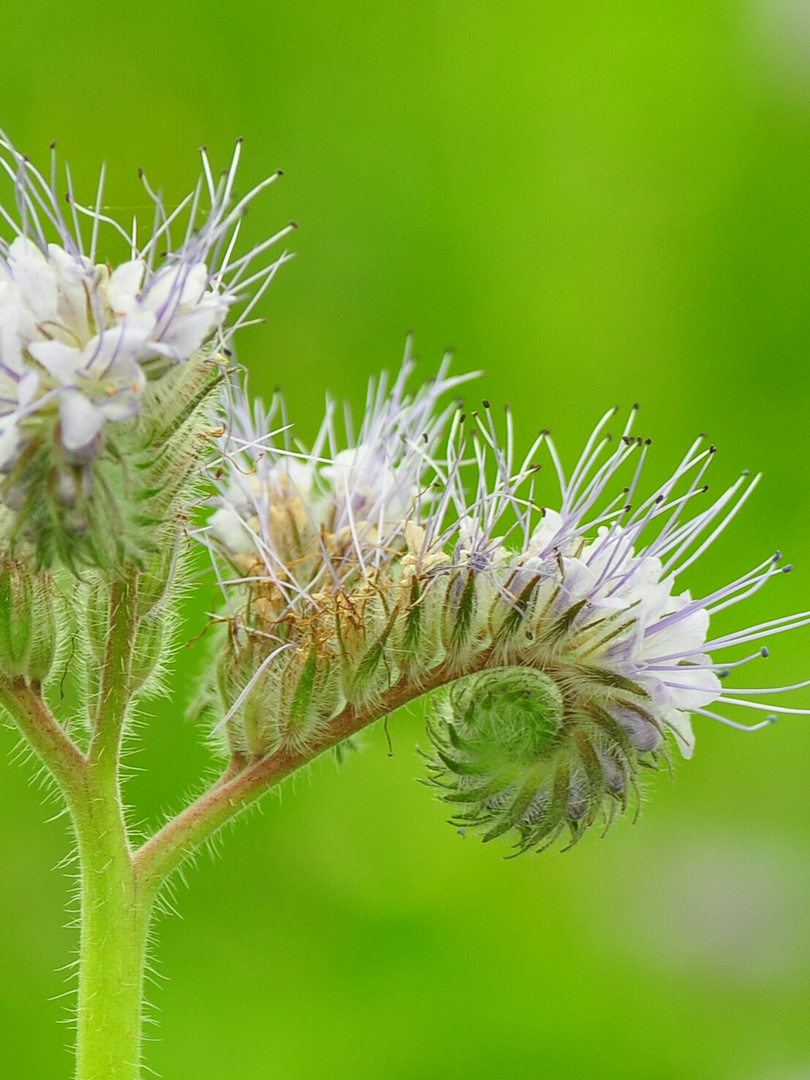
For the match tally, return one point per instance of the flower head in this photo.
(560, 650)
(84, 345)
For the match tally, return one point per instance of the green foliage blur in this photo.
(596, 204)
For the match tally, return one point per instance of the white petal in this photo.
(679, 636)
(186, 332)
(27, 388)
(59, 360)
(704, 687)
(116, 350)
(546, 532)
(680, 724)
(124, 286)
(34, 278)
(9, 440)
(76, 278)
(80, 419)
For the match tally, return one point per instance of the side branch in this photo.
(44, 733)
(246, 780)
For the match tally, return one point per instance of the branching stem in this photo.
(246, 780)
(40, 728)
(118, 885)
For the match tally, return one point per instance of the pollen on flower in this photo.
(416, 558)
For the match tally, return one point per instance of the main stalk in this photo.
(114, 925)
(114, 911)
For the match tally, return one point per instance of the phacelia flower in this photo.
(91, 354)
(558, 649)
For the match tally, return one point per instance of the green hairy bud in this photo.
(148, 650)
(28, 632)
(116, 506)
(285, 705)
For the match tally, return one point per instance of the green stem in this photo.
(115, 913)
(114, 927)
(37, 724)
(246, 780)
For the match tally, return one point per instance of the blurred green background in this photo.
(595, 203)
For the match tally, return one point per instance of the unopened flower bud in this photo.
(96, 594)
(310, 694)
(286, 704)
(148, 648)
(16, 594)
(28, 631)
(364, 622)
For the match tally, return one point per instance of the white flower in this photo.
(93, 334)
(102, 381)
(361, 495)
(17, 392)
(178, 305)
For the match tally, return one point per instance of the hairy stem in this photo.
(39, 727)
(246, 780)
(114, 925)
(114, 912)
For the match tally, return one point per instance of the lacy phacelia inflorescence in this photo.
(416, 559)
(90, 353)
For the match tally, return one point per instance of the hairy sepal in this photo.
(122, 505)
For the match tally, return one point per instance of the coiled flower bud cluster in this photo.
(559, 655)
